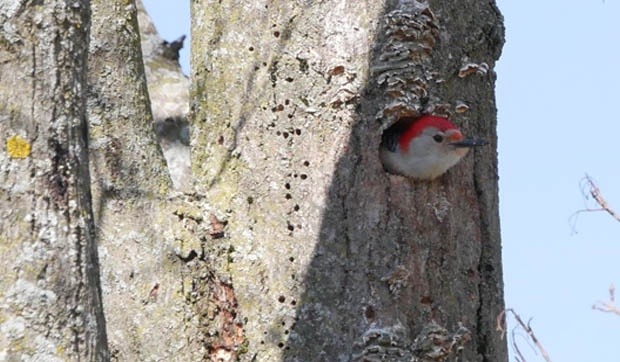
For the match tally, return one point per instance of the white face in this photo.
(430, 154)
(433, 141)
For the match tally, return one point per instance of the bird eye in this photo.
(438, 138)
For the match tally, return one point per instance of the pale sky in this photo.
(557, 101)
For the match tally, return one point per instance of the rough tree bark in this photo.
(324, 256)
(295, 244)
(142, 242)
(50, 297)
(126, 160)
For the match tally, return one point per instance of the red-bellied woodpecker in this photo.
(424, 148)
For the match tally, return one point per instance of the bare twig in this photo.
(608, 307)
(519, 356)
(596, 195)
(590, 190)
(501, 326)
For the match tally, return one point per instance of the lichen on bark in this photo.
(147, 234)
(50, 297)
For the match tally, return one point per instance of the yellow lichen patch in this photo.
(17, 147)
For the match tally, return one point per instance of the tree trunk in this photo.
(50, 297)
(127, 161)
(140, 229)
(323, 255)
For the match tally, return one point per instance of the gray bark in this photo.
(126, 160)
(324, 256)
(140, 234)
(50, 297)
(295, 244)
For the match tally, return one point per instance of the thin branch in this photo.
(608, 307)
(519, 356)
(501, 326)
(590, 190)
(596, 194)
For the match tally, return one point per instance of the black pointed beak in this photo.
(469, 142)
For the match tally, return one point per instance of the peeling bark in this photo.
(50, 297)
(329, 257)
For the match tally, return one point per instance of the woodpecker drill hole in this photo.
(281, 299)
(369, 313)
(306, 163)
(426, 299)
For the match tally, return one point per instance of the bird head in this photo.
(425, 148)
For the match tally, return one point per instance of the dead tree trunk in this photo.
(50, 297)
(324, 256)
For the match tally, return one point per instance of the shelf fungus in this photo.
(461, 107)
(470, 68)
(411, 33)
